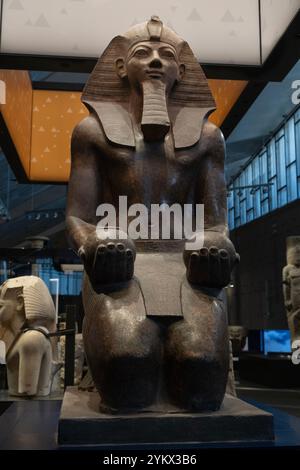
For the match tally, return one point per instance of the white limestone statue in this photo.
(291, 286)
(27, 317)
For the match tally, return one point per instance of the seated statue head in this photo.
(25, 302)
(149, 75)
(293, 251)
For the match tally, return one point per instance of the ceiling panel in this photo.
(219, 32)
(276, 15)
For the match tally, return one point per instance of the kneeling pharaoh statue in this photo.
(155, 328)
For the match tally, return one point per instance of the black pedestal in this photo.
(82, 424)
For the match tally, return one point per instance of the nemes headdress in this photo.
(108, 95)
(38, 303)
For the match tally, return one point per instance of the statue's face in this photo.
(12, 311)
(236, 332)
(152, 61)
(7, 311)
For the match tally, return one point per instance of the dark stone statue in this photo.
(155, 328)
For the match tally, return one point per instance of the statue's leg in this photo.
(122, 346)
(294, 324)
(197, 352)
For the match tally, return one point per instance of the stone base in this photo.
(81, 424)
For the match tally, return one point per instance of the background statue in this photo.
(238, 336)
(155, 327)
(27, 316)
(237, 341)
(230, 387)
(291, 287)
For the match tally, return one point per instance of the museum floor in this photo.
(33, 424)
(287, 400)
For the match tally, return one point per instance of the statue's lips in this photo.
(155, 73)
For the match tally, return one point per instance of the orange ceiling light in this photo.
(54, 116)
(17, 112)
(40, 122)
(226, 94)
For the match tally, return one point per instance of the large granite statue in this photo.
(27, 317)
(155, 327)
(291, 286)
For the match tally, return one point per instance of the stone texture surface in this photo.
(82, 424)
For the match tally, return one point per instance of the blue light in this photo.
(277, 341)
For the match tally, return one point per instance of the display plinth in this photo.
(82, 424)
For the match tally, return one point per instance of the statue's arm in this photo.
(108, 257)
(211, 186)
(84, 185)
(212, 264)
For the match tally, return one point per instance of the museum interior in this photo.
(92, 108)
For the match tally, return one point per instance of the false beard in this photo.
(155, 119)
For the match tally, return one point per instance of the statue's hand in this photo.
(108, 260)
(211, 265)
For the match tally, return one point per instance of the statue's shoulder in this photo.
(32, 341)
(211, 134)
(89, 132)
(212, 143)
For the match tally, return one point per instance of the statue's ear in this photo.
(20, 303)
(181, 71)
(120, 68)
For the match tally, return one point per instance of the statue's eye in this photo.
(141, 53)
(167, 54)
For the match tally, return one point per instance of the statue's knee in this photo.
(189, 340)
(196, 368)
(126, 367)
(121, 336)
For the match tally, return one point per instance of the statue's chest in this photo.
(154, 158)
(153, 173)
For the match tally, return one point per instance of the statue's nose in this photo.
(155, 62)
